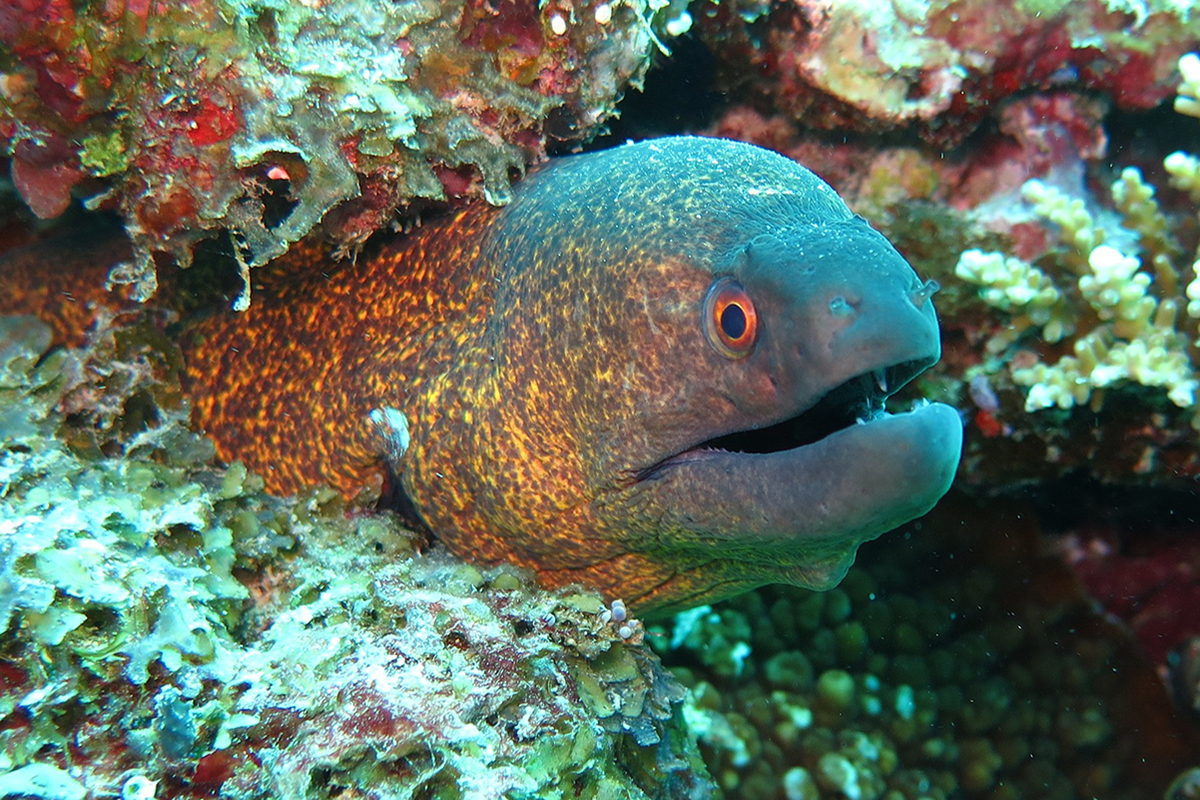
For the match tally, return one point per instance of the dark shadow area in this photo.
(678, 97)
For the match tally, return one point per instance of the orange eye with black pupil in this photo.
(730, 321)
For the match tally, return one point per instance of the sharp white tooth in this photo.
(881, 380)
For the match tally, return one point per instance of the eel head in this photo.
(782, 459)
(692, 346)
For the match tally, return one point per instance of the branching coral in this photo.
(1184, 168)
(1124, 307)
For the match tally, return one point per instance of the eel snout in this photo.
(816, 465)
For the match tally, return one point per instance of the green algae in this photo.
(104, 153)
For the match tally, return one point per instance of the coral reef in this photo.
(946, 665)
(1095, 301)
(271, 119)
(172, 631)
(940, 68)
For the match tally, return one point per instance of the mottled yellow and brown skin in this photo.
(551, 362)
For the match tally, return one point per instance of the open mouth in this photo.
(858, 400)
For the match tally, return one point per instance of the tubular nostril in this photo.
(921, 294)
(840, 307)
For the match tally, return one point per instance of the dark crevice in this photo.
(677, 97)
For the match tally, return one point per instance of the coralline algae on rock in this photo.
(271, 119)
(939, 67)
(171, 631)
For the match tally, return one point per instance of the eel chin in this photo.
(817, 485)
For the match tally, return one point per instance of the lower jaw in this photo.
(852, 484)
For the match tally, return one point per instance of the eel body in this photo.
(659, 371)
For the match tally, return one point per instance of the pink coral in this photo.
(1151, 582)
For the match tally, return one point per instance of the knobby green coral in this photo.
(932, 672)
(1132, 319)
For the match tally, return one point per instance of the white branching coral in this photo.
(1077, 229)
(1184, 168)
(1018, 287)
(1127, 298)
(1116, 289)
(1188, 100)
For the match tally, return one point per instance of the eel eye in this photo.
(730, 321)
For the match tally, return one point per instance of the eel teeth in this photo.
(881, 380)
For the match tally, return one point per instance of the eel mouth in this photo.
(859, 400)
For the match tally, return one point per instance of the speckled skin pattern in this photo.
(551, 361)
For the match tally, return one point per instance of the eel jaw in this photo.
(800, 495)
(856, 401)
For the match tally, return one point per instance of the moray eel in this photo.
(660, 371)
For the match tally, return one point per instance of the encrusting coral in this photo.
(169, 630)
(939, 67)
(1131, 312)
